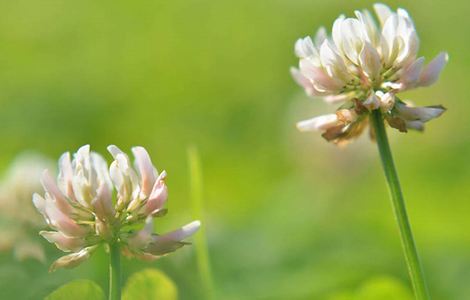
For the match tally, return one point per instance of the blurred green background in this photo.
(289, 216)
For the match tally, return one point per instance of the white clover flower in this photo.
(91, 204)
(19, 222)
(365, 65)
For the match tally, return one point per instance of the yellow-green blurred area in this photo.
(288, 216)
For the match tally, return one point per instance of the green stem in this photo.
(114, 272)
(197, 201)
(398, 203)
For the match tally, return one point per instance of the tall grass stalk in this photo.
(197, 203)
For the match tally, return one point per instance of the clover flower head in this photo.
(19, 222)
(90, 204)
(364, 64)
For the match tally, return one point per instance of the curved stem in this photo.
(114, 272)
(398, 203)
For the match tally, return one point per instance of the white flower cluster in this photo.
(19, 221)
(365, 65)
(92, 204)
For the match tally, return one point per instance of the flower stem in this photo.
(114, 271)
(398, 203)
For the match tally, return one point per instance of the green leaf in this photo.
(77, 290)
(150, 284)
(384, 288)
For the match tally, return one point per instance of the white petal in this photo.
(383, 12)
(320, 36)
(100, 167)
(353, 38)
(40, 204)
(318, 123)
(303, 82)
(65, 175)
(114, 150)
(422, 114)
(371, 31)
(337, 32)
(370, 61)
(333, 62)
(389, 33)
(305, 48)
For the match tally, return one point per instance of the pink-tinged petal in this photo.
(51, 187)
(383, 12)
(72, 260)
(319, 123)
(164, 244)
(63, 242)
(158, 196)
(143, 237)
(432, 71)
(416, 125)
(422, 114)
(318, 75)
(183, 232)
(146, 169)
(411, 73)
(58, 220)
(303, 82)
(103, 203)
